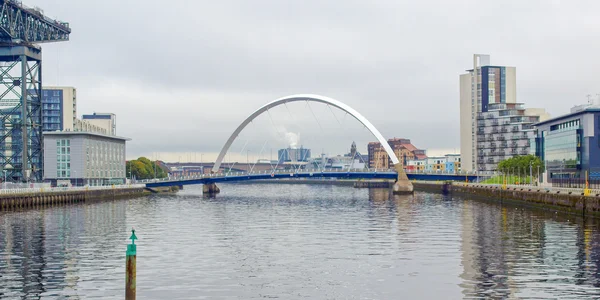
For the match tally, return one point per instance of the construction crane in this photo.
(21, 29)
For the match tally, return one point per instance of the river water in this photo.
(299, 242)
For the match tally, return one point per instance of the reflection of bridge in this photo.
(312, 173)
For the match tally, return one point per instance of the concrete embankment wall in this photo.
(571, 202)
(32, 200)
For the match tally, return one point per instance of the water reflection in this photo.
(43, 251)
(256, 241)
(509, 251)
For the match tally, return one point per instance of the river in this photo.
(299, 242)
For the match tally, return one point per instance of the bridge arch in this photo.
(311, 98)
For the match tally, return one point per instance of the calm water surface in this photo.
(299, 242)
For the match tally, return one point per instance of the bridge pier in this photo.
(210, 188)
(402, 184)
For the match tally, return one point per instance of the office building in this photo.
(107, 121)
(83, 158)
(489, 113)
(293, 155)
(403, 148)
(569, 145)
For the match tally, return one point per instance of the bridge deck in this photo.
(317, 174)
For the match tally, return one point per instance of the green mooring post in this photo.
(130, 268)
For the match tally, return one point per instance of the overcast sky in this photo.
(182, 75)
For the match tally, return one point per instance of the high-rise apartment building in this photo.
(59, 108)
(493, 126)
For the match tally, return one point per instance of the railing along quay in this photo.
(307, 171)
(67, 189)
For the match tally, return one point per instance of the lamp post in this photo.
(75, 172)
(4, 183)
(530, 173)
(247, 160)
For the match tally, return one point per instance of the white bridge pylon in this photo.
(309, 98)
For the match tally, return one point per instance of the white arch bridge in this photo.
(402, 185)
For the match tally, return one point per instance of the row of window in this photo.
(63, 158)
(569, 125)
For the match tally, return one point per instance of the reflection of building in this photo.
(569, 145)
(293, 155)
(403, 149)
(493, 126)
(83, 158)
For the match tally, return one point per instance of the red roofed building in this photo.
(403, 149)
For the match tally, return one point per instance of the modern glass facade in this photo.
(562, 152)
(569, 146)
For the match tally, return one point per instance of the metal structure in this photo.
(21, 27)
(309, 98)
(301, 174)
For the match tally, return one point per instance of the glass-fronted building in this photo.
(569, 145)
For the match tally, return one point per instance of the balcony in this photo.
(495, 130)
(501, 138)
(527, 127)
(504, 145)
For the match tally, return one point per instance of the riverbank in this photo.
(572, 202)
(41, 198)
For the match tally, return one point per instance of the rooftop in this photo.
(72, 133)
(569, 115)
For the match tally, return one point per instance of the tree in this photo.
(521, 165)
(143, 168)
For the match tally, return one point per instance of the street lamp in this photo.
(247, 162)
(75, 172)
(530, 173)
(4, 183)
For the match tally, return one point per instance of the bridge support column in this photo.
(210, 188)
(402, 184)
